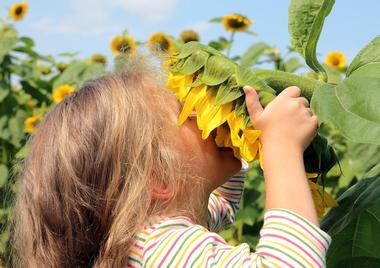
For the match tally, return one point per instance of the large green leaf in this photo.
(358, 243)
(8, 39)
(369, 54)
(306, 18)
(352, 203)
(252, 54)
(352, 106)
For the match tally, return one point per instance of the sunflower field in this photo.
(342, 162)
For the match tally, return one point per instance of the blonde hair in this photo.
(85, 183)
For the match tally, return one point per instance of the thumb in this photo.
(253, 104)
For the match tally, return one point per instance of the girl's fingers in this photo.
(253, 104)
(303, 101)
(293, 92)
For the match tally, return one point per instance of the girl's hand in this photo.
(287, 126)
(286, 121)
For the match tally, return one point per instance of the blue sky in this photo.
(87, 26)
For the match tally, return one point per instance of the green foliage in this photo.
(351, 106)
(306, 18)
(369, 54)
(354, 225)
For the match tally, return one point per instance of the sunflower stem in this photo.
(280, 80)
(230, 43)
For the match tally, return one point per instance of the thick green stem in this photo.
(279, 80)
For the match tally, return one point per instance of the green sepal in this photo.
(217, 70)
(191, 64)
(228, 91)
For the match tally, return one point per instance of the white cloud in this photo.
(150, 10)
(94, 17)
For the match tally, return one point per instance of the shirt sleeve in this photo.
(224, 203)
(286, 240)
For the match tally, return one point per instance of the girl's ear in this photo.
(159, 190)
(161, 193)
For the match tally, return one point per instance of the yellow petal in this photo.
(180, 85)
(194, 96)
(216, 117)
(221, 134)
(312, 175)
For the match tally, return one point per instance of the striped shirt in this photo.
(286, 238)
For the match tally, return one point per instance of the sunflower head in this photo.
(30, 123)
(123, 45)
(31, 103)
(189, 35)
(18, 10)
(335, 59)
(62, 66)
(99, 58)
(61, 92)
(161, 42)
(236, 23)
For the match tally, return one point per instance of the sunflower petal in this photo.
(194, 96)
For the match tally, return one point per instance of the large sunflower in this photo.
(335, 59)
(161, 42)
(189, 35)
(31, 123)
(18, 10)
(236, 23)
(61, 92)
(123, 45)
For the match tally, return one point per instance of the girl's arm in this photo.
(224, 202)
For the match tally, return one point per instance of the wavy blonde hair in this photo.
(84, 187)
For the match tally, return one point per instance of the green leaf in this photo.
(3, 93)
(219, 19)
(246, 215)
(369, 54)
(352, 203)
(252, 54)
(217, 70)
(352, 106)
(8, 39)
(359, 239)
(3, 175)
(193, 63)
(306, 18)
(78, 73)
(292, 64)
(228, 91)
(27, 41)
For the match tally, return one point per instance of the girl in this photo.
(110, 180)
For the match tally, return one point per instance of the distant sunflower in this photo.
(61, 92)
(161, 42)
(123, 45)
(189, 35)
(31, 122)
(18, 10)
(335, 59)
(62, 66)
(99, 58)
(31, 103)
(236, 23)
